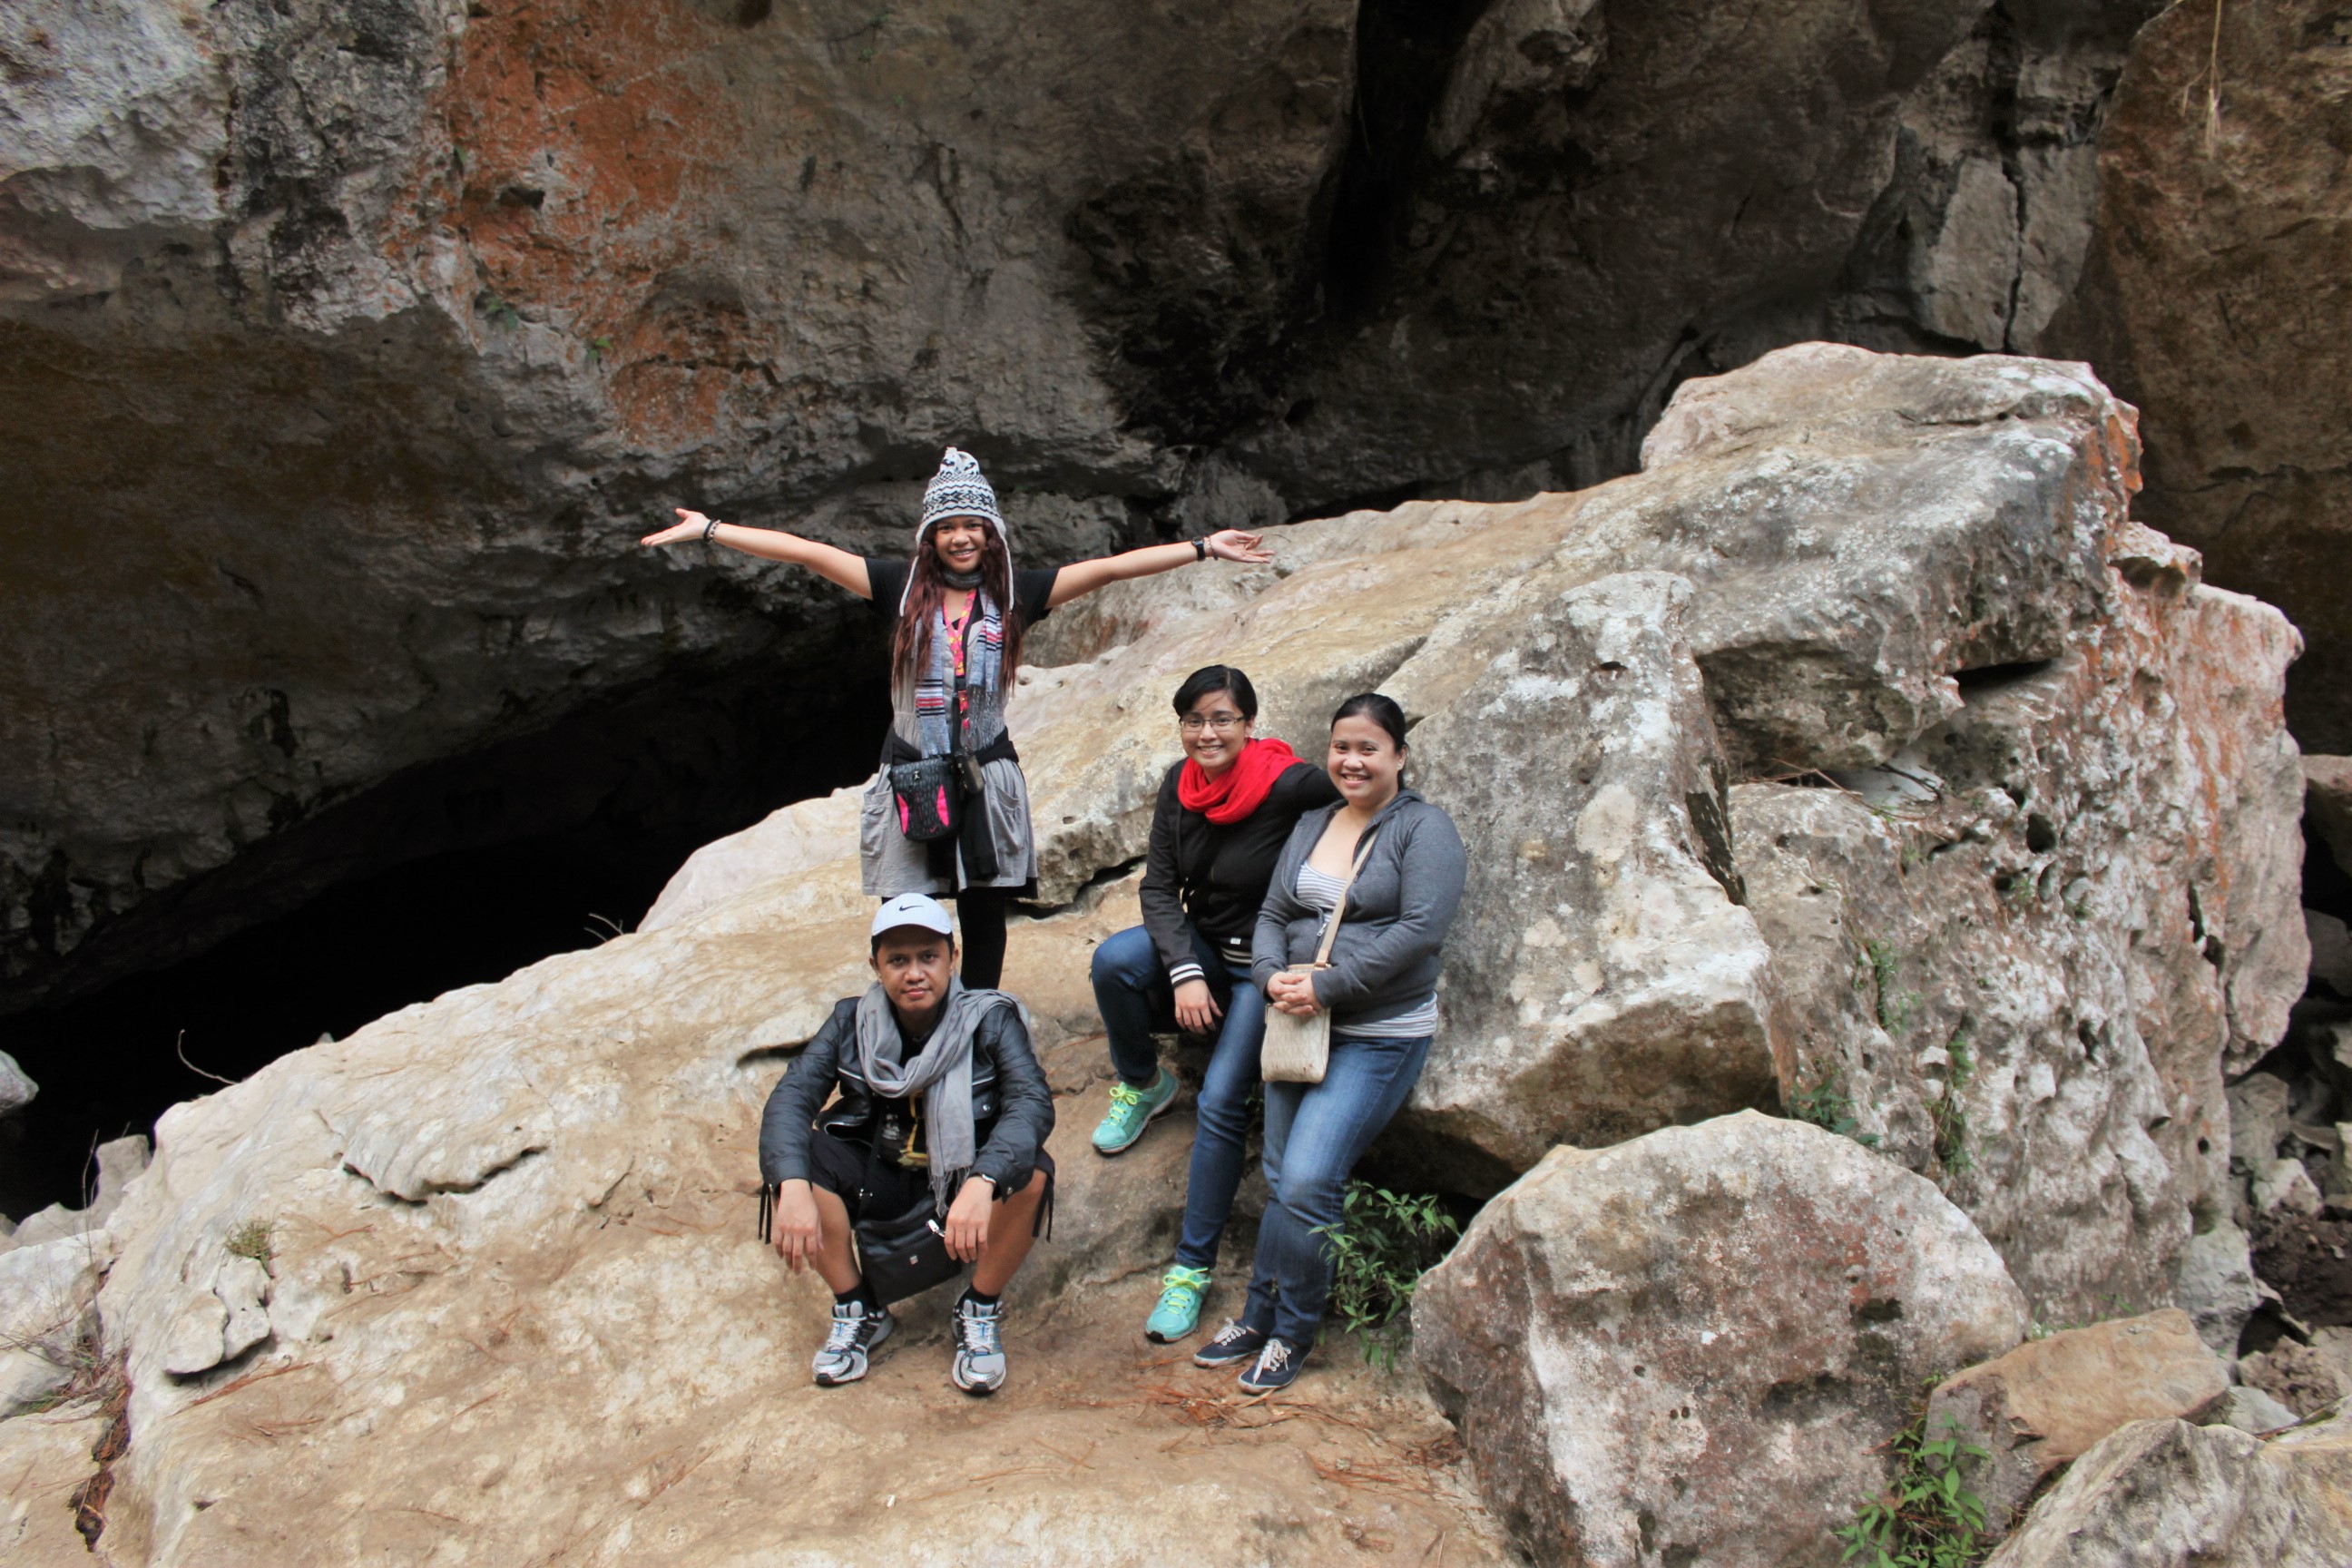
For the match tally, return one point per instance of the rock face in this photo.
(1980, 953)
(2216, 295)
(1611, 981)
(45, 1293)
(118, 1161)
(347, 349)
(16, 1090)
(510, 1275)
(2045, 1404)
(2170, 1495)
(1691, 1347)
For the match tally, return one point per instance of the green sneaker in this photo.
(1178, 1312)
(1131, 1110)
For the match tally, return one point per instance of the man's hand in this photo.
(1293, 994)
(1196, 1007)
(967, 1217)
(797, 1233)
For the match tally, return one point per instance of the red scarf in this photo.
(1240, 789)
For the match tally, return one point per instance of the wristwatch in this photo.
(1199, 551)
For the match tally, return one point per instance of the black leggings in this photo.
(982, 918)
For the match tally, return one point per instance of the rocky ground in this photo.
(1861, 761)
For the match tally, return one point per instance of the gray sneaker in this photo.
(856, 1332)
(979, 1347)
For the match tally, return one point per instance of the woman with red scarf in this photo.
(1224, 813)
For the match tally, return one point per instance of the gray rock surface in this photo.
(2327, 804)
(16, 1089)
(1603, 981)
(2214, 1283)
(2168, 1495)
(2248, 1410)
(46, 1294)
(1694, 1346)
(117, 1161)
(1975, 959)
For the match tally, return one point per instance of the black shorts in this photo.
(884, 1188)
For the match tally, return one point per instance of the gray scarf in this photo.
(941, 1071)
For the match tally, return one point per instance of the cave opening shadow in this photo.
(111, 1058)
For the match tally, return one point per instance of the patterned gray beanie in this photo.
(958, 490)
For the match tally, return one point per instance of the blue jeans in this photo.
(1315, 1133)
(1132, 992)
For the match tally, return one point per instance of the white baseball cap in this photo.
(913, 910)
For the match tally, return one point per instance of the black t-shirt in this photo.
(1031, 587)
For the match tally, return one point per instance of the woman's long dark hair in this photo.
(910, 644)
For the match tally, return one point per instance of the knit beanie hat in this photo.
(957, 491)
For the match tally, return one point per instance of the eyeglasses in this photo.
(1223, 723)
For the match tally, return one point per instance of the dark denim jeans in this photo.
(1315, 1133)
(1132, 992)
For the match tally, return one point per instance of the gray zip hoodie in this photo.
(1386, 958)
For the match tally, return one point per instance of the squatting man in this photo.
(942, 1107)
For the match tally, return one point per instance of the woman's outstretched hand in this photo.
(1232, 544)
(690, 525)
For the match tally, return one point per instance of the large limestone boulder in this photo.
(2169, 1495)
(2045, 1404)
(1694, 1346)
(1979, 948)
(1604, 979)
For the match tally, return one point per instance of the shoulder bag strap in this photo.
(1331, 931)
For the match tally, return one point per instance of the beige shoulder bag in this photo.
(1297, 1049)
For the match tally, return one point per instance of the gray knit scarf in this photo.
(941, 1071)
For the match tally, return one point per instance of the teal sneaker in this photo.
(1178, 1312)
(1131, 1110)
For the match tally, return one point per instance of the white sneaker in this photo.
(856, 1332)
(979, 1347)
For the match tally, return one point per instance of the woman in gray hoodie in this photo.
(1381, 991)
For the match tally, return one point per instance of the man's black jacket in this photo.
(1012, 1109)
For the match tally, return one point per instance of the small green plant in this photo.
(1379, 1252)
(1926, 1517)
(253, 1239)
(1949, 1116)
(1821, 1098)
(599, 350)
(1879, 966)
(499, 313)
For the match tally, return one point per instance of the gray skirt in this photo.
(891, 865)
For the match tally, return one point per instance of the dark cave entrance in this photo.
(458, 873)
